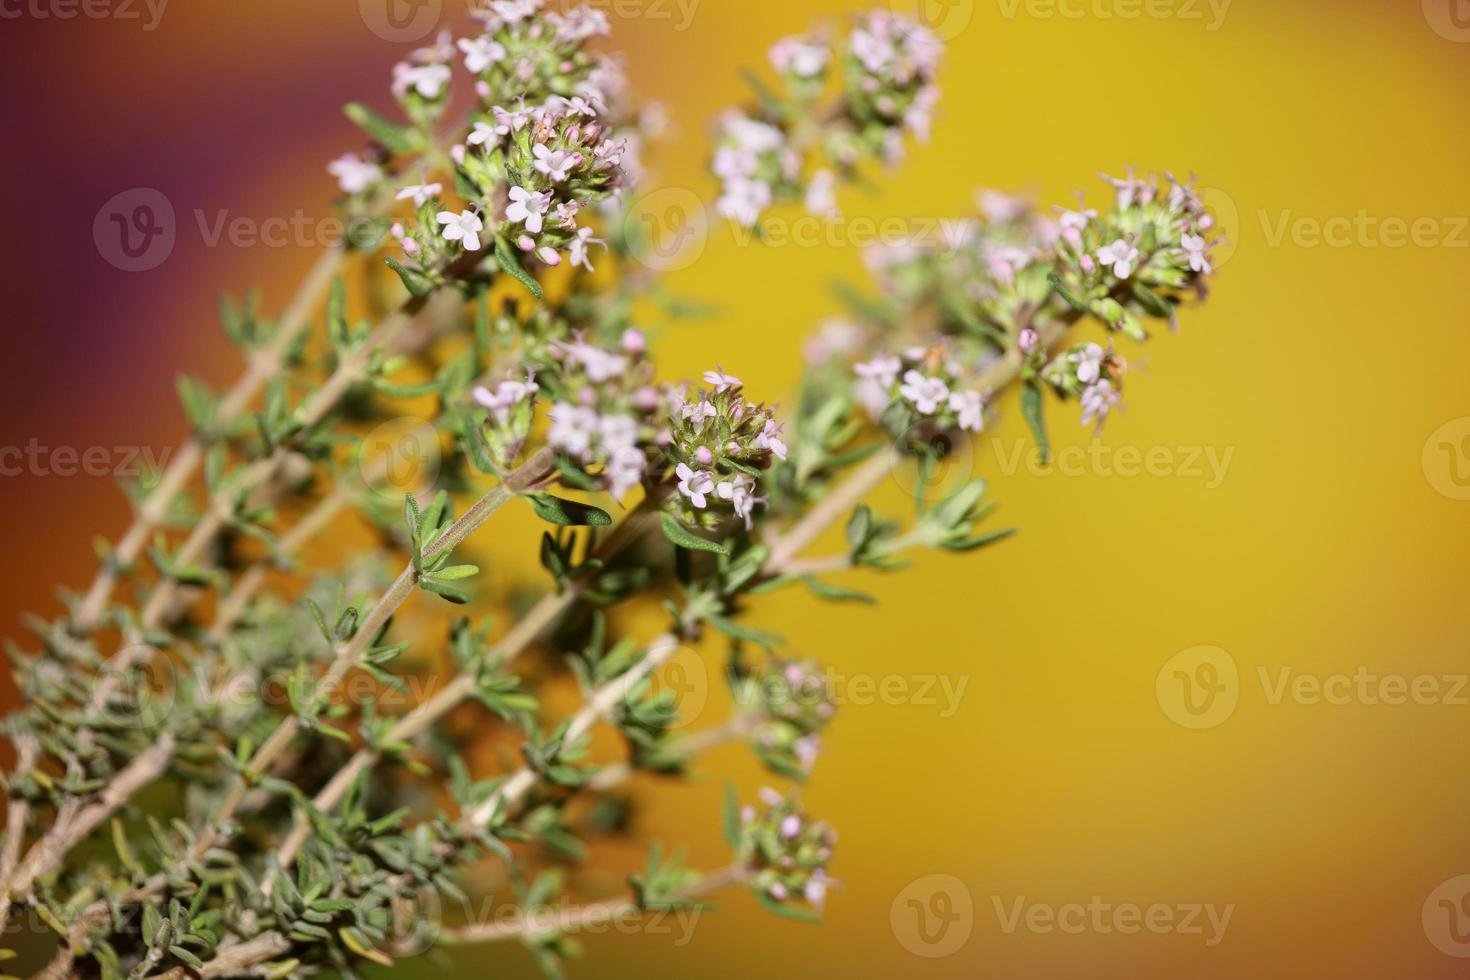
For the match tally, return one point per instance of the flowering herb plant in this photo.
(324, 814)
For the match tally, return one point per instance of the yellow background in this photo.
(1326, 548)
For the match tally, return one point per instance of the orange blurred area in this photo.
(1197, 719)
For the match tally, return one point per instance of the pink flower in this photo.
(926, 393)
(770, 440)
(695, 485)
(1121, 255)
(970, 408)
(464, 228)
(1195, 251)
(1098, 401)
(527, 208)
(1089, 364)
(721, 380)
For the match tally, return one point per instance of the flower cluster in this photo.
(785, 852)
(720, 445)
(603, 411)
(1127, 264)
(511, 410)
(797, 143)
(527, 52)
(794, 703)
(891, 66)
(919, 386)
(1091, 374)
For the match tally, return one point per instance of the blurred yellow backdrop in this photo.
(1307, 517)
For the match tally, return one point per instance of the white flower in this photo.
(580, 248)
(738, 491)
(509, 121)
(506, 396)
(1194, 250)
(555, 164)
(821, 195)
(770, 440)
(1130, 190)
(420, 193)
(882, 370)
(721, 380)
(744, 200)
(1076, 220)
(1121, 255)
(428, 81)
(527, 208)
(514, 11)
(484, 134)
(1089, 363)
(799, 57)
(599, 364)
(480, 53)
(695, 485)
(1098, 401)
(875, 53)
(354, 174)
(698, 411)
(815, 891)
(925, 392)
(572, 428)
(625, 471)
(970, 408)
(464, 228)
(618, 432)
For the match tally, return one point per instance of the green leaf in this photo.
(835, 593)
(444, 591)
(786, 911)
(567, 513)
(198, 402)
(676, 532)
(417, 284)
(512, 266)
(732, 815)
(1152, 302)
(738, 631)
(1075, 302)
(1031, 409)
(393, 136)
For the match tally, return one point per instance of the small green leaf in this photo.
(1075, 302)
(512, 266)
(1031, 409)
(676, 532)
(393, 136)
(567, 513)
(786, 911)
(835, 593)
(417, 284)
(732, 815)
